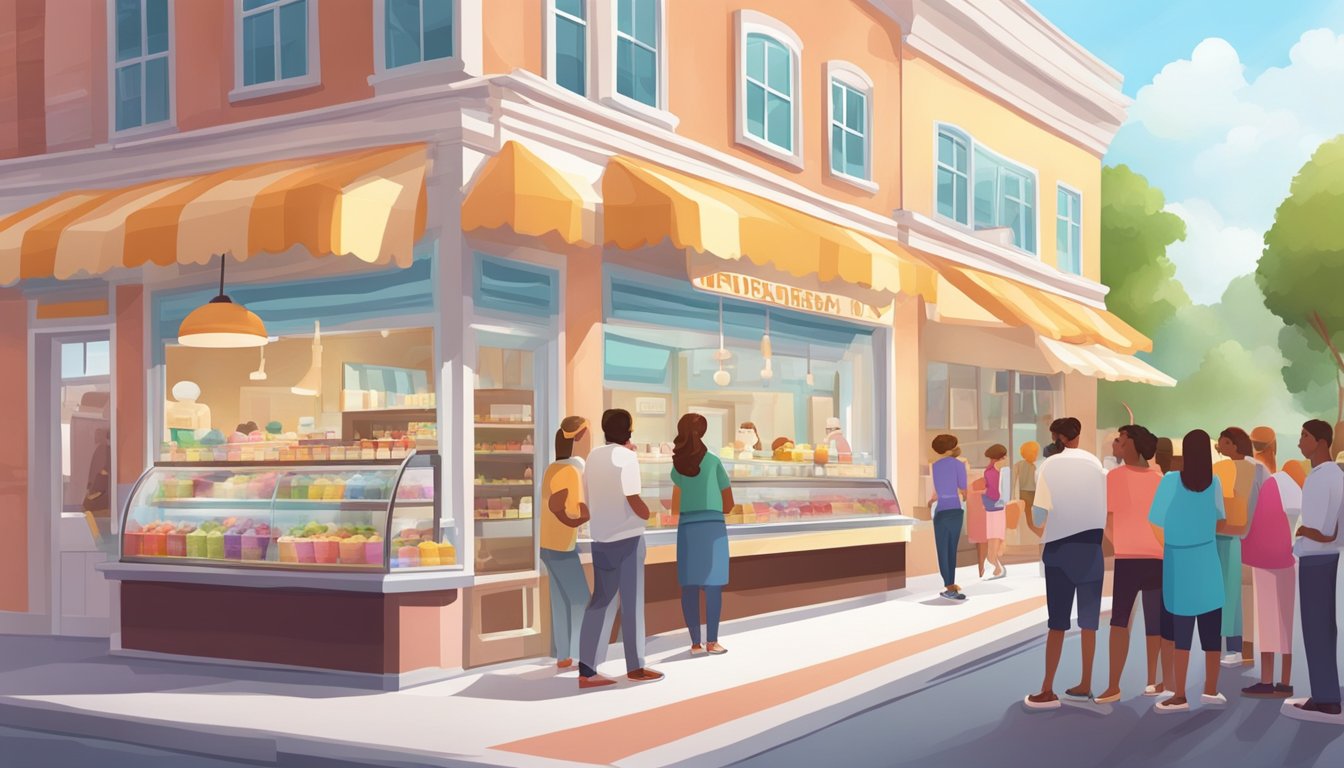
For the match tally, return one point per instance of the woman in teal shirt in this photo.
(1185, 515)
(701, 497)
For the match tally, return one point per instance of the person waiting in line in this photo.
(1185, 516)
(1241, 477)
(1130, 489)
(1266, 446)
(1071, 498)
(619, 515)
(976, 530)
(1317, 550)
(701, 497)
(1166, 455)
(996, 523)
(949, 488)
(1268, 551)
(1024, 474)
(562, 492)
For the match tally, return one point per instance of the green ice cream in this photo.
(214, 545)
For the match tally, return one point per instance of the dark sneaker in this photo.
(1260, 691)
(1321, 709)
(596, 681)
(645, 675)
(1283, 691)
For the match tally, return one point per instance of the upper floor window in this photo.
(638, 38)
(954, 176)
(1069, 230)
(142, 92)
(768, 104)
(416, 31)
(1002, 194)
(277, 45)
(569, 45)
(850, 122)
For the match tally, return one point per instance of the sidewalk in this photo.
(786, 675)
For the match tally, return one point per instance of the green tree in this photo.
(1302, 274)
(1135, 233)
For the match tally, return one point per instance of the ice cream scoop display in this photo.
(355, 515)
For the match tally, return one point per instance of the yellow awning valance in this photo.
(369, 204)
(1100, 362)
(1050, 315)
(519, 190)
(644, 204)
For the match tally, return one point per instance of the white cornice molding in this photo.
(1010, 51)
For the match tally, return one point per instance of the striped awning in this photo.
(368, 203)
(518, 190)
(1100, 362)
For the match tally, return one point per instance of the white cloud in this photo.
(1229, 147)
(1213, 251)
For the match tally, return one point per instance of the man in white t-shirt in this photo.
(1317, 549)
(618, 518)
(1071, 495)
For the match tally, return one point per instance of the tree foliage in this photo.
(1135, 233)
(1302, 274)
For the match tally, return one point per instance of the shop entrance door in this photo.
(74, 485)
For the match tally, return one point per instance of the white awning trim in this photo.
(1100, 362)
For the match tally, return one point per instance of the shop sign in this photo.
(787, 296)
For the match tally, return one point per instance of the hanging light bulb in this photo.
(768, 372)
(311, 383)
(810, 379)
(221, 324)
(260, 373)
(721, 377)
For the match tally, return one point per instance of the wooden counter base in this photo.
(760, 584)
(384, 634)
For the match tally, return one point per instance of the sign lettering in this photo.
(787, 296)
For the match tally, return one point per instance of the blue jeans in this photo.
(946, 534)
(569, 596)
(618, 571)
(690, 610)
(1320, 634)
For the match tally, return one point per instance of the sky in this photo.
(1231, 97)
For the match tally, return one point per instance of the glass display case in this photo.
(357, 516)
(506, 459)
(777, 492)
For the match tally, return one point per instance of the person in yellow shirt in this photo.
(565, 510)
(1241, 477)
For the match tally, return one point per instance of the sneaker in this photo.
(1217, 700)
(1232, 660)
(715, 649)
(1078, 695)
(596, 681)
(1332, 710)
(1261, 691)
(1166, 707)
(1284, 691)
(645, 675)
(1042, 701)
(1154, 690)
(953, 596)
(697, 649)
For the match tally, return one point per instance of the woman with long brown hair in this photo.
(701, 497)
(1185, 515)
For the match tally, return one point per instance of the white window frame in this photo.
(603, 27)
(854, 78)
(312, 79)
(153, 129)
(1070, 223)
(957, 135)
(551, 49)
(753, 22)
(465, 61)
(972, 145)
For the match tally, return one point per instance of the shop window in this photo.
(638, 39)
(954, 175)
(416, 31)
(511, 286)
(277, 46)
(850, 122)
(569, 45)
(142, 92)
(768, 105)
(1069, 230)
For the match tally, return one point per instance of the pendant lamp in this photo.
(811, 380)
(221, 324)
(768, 372)
(260, 373)
(311, 383)
(722, 377)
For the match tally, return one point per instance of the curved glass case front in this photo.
(356, 516)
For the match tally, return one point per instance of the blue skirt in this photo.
(702, 554)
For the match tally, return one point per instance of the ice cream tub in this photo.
(304, 551)
(408, 556)
(327, 550)
(254, 546)
(177, 545)
(154, 544)
(131, 543)
(196, 544)
(429, 553)
(352, 550)
(286, 552)
(214, 545)
(447, 553)
(233, 546)
(373, 551)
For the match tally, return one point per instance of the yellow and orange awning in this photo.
(368, 203)
(644, 204)
(519, 190)
(1050, 315)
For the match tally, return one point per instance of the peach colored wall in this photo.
(14, 406)
(129, 349)
(702, 78)
(22, 115)
(204, 44)
(76, 74)
(934, 95)
(513, 36)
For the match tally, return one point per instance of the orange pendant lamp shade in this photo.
(221, 324)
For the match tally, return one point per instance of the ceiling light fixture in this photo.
(221, 324)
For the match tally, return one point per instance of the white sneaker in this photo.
(1232, 660)
(1151, 691)
(1218, 700)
